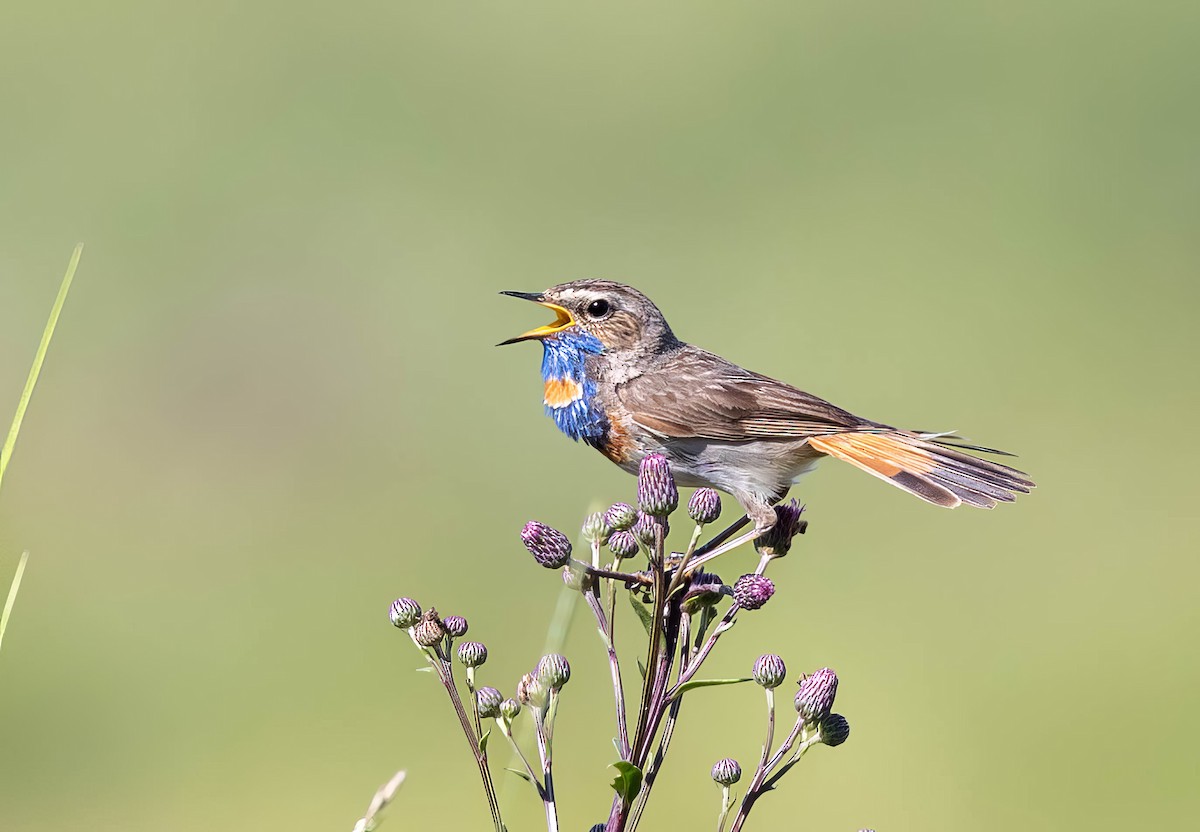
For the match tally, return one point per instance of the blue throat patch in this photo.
(563, 357)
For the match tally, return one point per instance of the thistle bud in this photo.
(455, 625)
(834, 729)
(429, 631)
(595, 529)
(532, 691)
(623, 544)
(704, 590)
(643, 529)
(488, 701)
(657, 494)
(404, 612)
(509, 709)
(620, 517)
(576, 578)
(598, 827)
(769, 671)
(554, 671)
(726, 772)
(778, 540)
(815, 697)
(472, 653)
(752, 591)
(549, 547)
(705, 506)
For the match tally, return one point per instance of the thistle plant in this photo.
(684, 609)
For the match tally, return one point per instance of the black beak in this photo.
(533, 296)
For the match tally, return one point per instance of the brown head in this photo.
(624, 320)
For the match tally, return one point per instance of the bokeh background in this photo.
(273, 403)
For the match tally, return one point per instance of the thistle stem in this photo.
(604, 624)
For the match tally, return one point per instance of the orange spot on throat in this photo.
(560, 392)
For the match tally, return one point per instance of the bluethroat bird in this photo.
(617, 378)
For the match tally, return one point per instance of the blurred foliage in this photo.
(273, 405)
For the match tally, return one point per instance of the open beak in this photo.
(561, 322)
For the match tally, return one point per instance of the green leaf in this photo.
(708, 683)
(484, 740)
(641, 668)
(524, 775)
(628, 781)
(643, 614)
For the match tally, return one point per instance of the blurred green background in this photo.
(273, 403)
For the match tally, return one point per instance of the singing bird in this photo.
(618, 379)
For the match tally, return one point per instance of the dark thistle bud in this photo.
(769, 671)
(752, 591)
(488, 700)
(455, 625)
(643, 529)
(595, 529)
(471, 653)
(705, 506)
(549, 547)
(726, 772)
(598, 827)
(429, 631)
(623, 544)
(657, 494)
(834, 729)
(704, 590)
(620, 517)
(778, 540)
(815, 697)
(532, 691)
(509, 709)
(554, 671)
(404, 612)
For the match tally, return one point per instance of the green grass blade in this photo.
(12, 595)
(38, 360)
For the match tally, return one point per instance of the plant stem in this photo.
(545, 730)
(604, 624)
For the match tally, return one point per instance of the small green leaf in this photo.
(708, 683)
(483, 741)
(628, 781)
(524, 775)
(641, 668)
(643, 614)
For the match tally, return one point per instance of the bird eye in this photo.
(598, 309)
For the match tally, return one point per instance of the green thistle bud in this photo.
(554, 671)
(815, 697)
(620, 517)
(429, 631)
(834, 729)
(532, 691)
(769, 671)
(509, 709)
(488, 700)
(726, 772)
(705, 506)
(657, 494)
(404, 612)
(594, 528)
(576, 578)
(472, 653)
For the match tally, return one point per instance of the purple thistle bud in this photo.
(623, 544)
(815, 697)
(643, 529)
(704, 590)
(472, 653)
(488, 701)
(726, 772)
(595, 529)
(455, 625)
(554, 671)
(835, 729)
(509, 709)
(705, 506)
(752, 591)
(657, 494)
(769, 671)
(598, 827)
(620, 517)
(549, 547)
(429, 631)
(404, 612)
(778, 540)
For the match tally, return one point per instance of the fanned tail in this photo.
(934, 468)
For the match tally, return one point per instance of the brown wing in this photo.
(693, 393)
